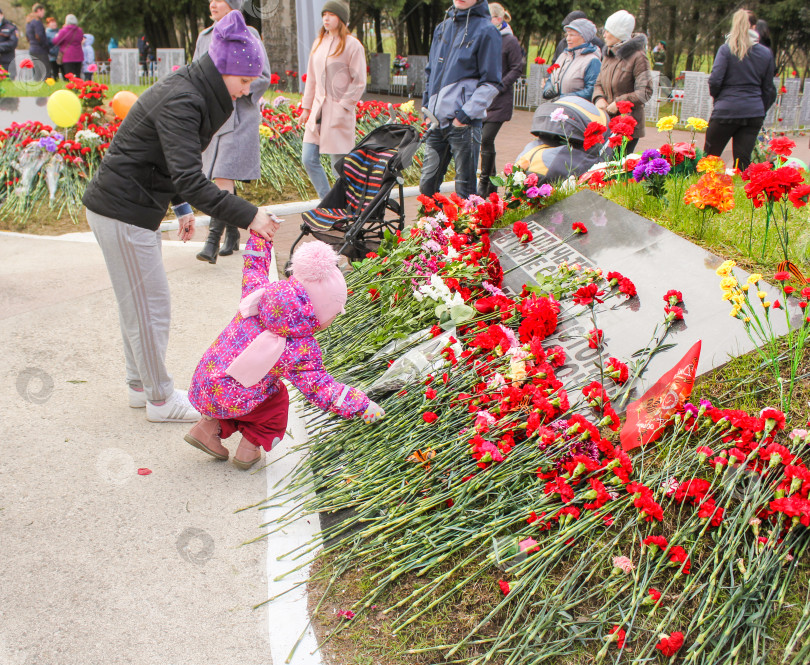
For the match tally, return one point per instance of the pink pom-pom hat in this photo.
(314, 265)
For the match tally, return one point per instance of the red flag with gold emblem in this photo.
(648, 416)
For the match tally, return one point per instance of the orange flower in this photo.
(711, 164)
(713, 190)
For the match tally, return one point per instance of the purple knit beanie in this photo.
(233, 49)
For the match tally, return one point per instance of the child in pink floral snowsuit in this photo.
(237, 385)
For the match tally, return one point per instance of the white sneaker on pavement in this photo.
(137, 398)
(176, 409)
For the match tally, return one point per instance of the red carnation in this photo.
(429, 417)
(552, 68)
(669, 646)
(504, 586)
(620, 634)
(624, 106)
(579, 227)
(540, 61)
(595, 337)
(799, 195)
(521, 230)
(781, 145)
(594, 133)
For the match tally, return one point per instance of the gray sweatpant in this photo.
(135, 263)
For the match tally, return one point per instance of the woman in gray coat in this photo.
(234, 151)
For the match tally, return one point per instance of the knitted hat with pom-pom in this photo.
(314, 265)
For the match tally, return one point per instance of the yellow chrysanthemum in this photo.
(766, 304)
(727, 295)
(728, 283)
(738, 299)
(407, 107)
(762, 295)
(725, 268)
(735, 312)
(264, 130)
(754, 278)
(50, 81)
(698, 124)
(667, 123)
(711, 164)
(745, 287)
(747, 319)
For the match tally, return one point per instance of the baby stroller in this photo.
(352, 216)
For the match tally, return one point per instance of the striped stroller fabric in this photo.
(363, 171)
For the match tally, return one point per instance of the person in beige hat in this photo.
(336, 80)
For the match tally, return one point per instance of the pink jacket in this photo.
(284, 310)
(334, 86)
(69, 40)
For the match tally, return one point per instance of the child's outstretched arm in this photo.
(258, 257)
(318, 386)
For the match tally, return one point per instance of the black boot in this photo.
(231, 243)
(211, 249)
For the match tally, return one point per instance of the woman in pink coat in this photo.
(237, 385)
(336, 80)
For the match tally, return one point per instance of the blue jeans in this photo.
(311, 157)
(463, 145)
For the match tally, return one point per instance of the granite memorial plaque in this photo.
(651, 107)
(380, 65)
(416, 74)
(124, 66)
(656, 260)
(168, 59)
(789, 105)
(772, 117)
(804, 110)
(534, 85)
(697, 102)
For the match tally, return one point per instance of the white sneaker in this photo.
(137, 399)
(176, 409)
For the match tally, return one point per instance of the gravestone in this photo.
(124, 66)
(772, 117)
(697, 102)
(655, 260)
(651, 107)
(168, 59)
(789, 105)
(416, 74)
(380, 65)
(534, 85)
(804, 109)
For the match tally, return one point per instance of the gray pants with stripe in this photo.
(135, 263)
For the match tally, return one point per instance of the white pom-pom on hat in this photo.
(314, 265)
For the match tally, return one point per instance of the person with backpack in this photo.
(8, 41)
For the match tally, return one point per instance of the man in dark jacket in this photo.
(37, 41)
(8, 41)
(156, 158)
(597, 41)
(462, 78)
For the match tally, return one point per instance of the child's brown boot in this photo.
(205, 436)
(246, 454)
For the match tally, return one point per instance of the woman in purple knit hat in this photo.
(155, 159)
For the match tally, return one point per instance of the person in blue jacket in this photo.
(576, 70)
(462, 78)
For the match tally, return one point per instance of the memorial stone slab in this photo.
(380, 65)
(534, 85)
(697, 101)
(655, 260)
(772, 117)
(124, 66)
(416, 74)
(168, 59)
(804, 109)
(651, 107)
(789, 106)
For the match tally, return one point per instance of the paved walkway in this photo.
(102, 565)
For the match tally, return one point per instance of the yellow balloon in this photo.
(64, 108)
